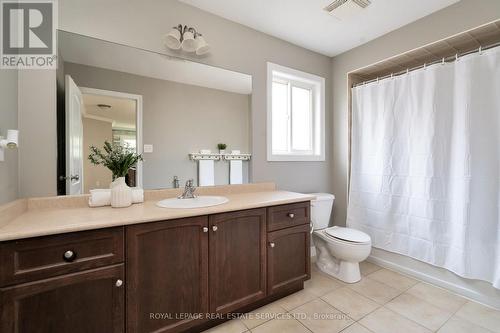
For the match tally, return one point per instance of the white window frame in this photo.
(304, 80)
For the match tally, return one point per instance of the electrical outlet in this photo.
(148, 149)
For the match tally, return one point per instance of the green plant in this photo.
(221, 146)
(116, 158)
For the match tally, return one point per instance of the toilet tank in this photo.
(321, 210)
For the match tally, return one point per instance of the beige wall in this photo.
(177, 119)
(8, 120)
(95, 132)
(235, 47)
(457, 18)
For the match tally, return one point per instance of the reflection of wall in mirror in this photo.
(8, 120)
(95, 132)
(177, 119)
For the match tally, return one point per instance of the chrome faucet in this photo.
(188, 191)
(176, 182)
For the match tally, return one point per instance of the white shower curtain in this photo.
(425, 179)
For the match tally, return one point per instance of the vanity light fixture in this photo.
(187, 39)
(11, 142)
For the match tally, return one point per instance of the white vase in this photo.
(121, 193)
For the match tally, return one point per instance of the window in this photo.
(295, 115)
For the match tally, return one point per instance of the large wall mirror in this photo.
(161, 107)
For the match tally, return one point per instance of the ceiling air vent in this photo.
(343, 9)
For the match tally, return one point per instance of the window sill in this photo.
(295, 158)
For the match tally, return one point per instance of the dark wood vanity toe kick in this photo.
(285, 216)
(42, 257)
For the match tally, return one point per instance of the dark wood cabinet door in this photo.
(167, 272)
(237, 259)
(85, 302)
(288, 257)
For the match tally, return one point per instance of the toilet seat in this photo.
(349, 235)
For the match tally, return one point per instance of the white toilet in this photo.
(338, 250)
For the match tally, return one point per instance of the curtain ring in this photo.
(442, 61)
(456, 57)
(425, 65)
(480, 50)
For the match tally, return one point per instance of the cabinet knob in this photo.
(291, 215)
(214, 228)
(205, 229)
(69, 256)
(272, 244)
(119, 283)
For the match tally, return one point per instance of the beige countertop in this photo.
(40, 220)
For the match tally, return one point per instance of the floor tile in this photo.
(319, 317)
(374, 290)
(232, 326)
(320, 285)
(261, 315)
(297, 299)
(458, 325)
(437, 296)
(367, 267)
(480, 315)
(386, 321)
(350, 302)
(393, 279)
(356, 328)
(281, 326)
(419, 311)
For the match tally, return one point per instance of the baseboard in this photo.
(491, 301)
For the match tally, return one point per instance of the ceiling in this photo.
(103, 54)
(121, 114)
(305, 23)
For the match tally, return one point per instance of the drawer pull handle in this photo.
(119, 283)
(272, 244)
(205, 229)
(69, 256)
(214, 228)
(291, 215)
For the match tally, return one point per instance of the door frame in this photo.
(138, 101)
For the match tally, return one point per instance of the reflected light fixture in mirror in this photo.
(187, 39)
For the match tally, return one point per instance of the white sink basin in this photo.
(198, 202)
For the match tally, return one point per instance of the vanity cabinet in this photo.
(237, 259)
(167, 273)
(167, 276)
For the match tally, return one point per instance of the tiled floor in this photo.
(382, 302)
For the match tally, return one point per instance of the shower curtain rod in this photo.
(442, 61)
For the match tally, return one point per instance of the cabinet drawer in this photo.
(37, 258)
(284, 216)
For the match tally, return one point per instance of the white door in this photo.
(74, 138)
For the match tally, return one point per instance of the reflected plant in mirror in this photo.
(222, 148)
(117, 158)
